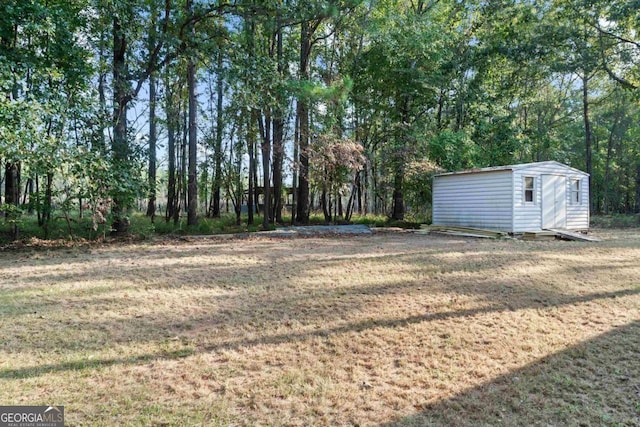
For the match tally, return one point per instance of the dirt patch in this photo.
(393, 329)
(318, 230)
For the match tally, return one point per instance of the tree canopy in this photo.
(339, 106)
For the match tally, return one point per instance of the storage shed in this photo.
(515, 198)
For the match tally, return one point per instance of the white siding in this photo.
(481, 200)
(578, 214)
(528, 217)
(493, 198)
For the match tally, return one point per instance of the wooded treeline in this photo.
(342, 106)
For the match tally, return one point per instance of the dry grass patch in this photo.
(381, 330)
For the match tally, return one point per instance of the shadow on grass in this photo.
(405, 321)
(179, 248)
(296, 337)
(420, 252)
(82, 364)
(596, 382)
(262, 308)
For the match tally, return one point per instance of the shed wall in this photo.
(482, 200)
(528, 216)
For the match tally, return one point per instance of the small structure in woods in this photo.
(515, 198)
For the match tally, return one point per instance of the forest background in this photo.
(190, 109)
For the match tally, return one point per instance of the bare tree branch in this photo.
(620, 80)
(602, 31)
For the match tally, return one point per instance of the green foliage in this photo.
(226, 224)
(61, 228)
(418, 186)
(451, 151)
(615, 221)
(385, 221)
(75, 228)
(371, 220)
(414, 86)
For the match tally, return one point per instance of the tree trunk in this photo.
(11, 184)
(294, 180)
(439, 110)
(278, 136)
(637, 209)
(27, 196)
(183, 178)
(358, 185)
(100, 139)
(254, 173)
(48, 201)
(192, 190)
(120, 144)
(324, 201)
(398, 199)
(352, 198)
(12, 195)
(219, 129)
(278, 156)
(251, 145)
(587, 133)
(37, 199)
(302, 213)
(364, 187)
(239, 193)
(398, 176)
(265, 132)
(171, 148)
(151, 206)
(607, 168)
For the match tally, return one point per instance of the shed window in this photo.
(529, 189)
(575, 192)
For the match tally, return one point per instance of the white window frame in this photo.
(576, 191)
(532, 189)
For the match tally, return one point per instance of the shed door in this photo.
(554, 201)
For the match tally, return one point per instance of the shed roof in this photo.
(511, 168)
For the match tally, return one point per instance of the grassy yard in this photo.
(383, 330)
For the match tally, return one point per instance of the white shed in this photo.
(515, 198)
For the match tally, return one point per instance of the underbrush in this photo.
(141, 227)
(615, 221)
(75, 228)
